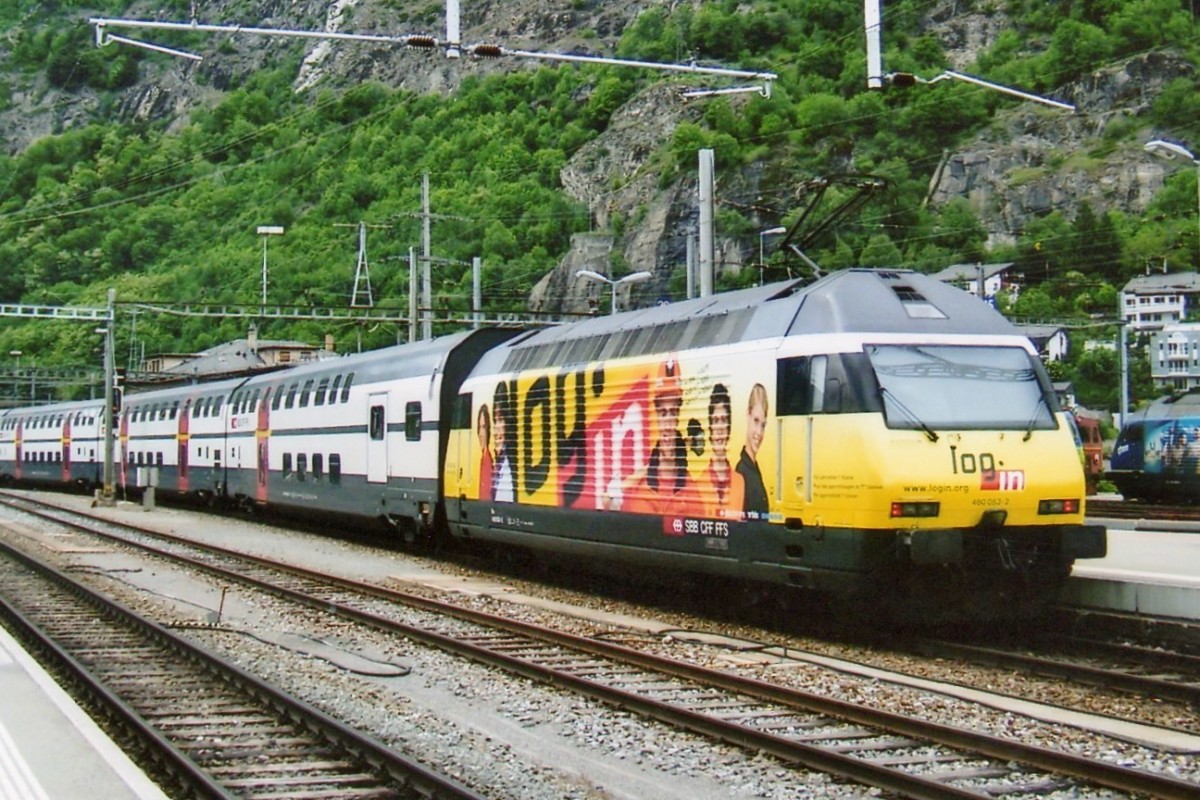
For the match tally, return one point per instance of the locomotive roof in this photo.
(1181, 406)
(853, 300)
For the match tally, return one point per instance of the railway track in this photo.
(216, 730)
(1153, 673)
(907, 756)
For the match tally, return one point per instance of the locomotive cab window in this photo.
(833, 383)
(412, 421)
(962, 387)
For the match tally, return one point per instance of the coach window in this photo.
(305, 393)
(291, 396)
(254, 399)
(346, 388)
(287, 465)
(412, 422)
(322, 388)
(301, 465)
(335, 468)
(217, 403)
(277, 398)
(333, 389)
(376, 426)
(175, 409)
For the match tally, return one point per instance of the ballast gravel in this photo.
(511, 738)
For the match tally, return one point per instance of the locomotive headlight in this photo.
(1059, 506)
(900, 509)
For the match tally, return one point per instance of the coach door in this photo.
(377, 455)
(182, 444)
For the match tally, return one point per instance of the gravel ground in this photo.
(533, 742)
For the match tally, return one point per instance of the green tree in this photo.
(880, 251)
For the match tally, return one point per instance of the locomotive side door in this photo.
(377, 453)
(456, 477)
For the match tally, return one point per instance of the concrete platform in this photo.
(1148, 571)
(50, 749)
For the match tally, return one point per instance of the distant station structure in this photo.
(247, 356)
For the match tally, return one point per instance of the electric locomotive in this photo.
(1156, 456)
(877, 437)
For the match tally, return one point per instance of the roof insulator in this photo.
(903, 79)
(487, 51)
(421, 42)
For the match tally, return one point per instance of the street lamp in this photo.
(1170, 149)
(267, 231)
(761, 237)
(633, 277)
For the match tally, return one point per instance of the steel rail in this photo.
(402, 769)
(1084, 768)
(1125, 681)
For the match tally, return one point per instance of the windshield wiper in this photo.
(908, 412)
(1041, 401)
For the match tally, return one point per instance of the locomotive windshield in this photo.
(956, 387)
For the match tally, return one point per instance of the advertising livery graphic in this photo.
(1173, 447)
(643, 439)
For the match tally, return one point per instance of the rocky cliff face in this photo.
(169, 88)
(1035, 160)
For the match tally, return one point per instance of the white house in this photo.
(996, 278)
(1051, 341)
(1150, 302)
